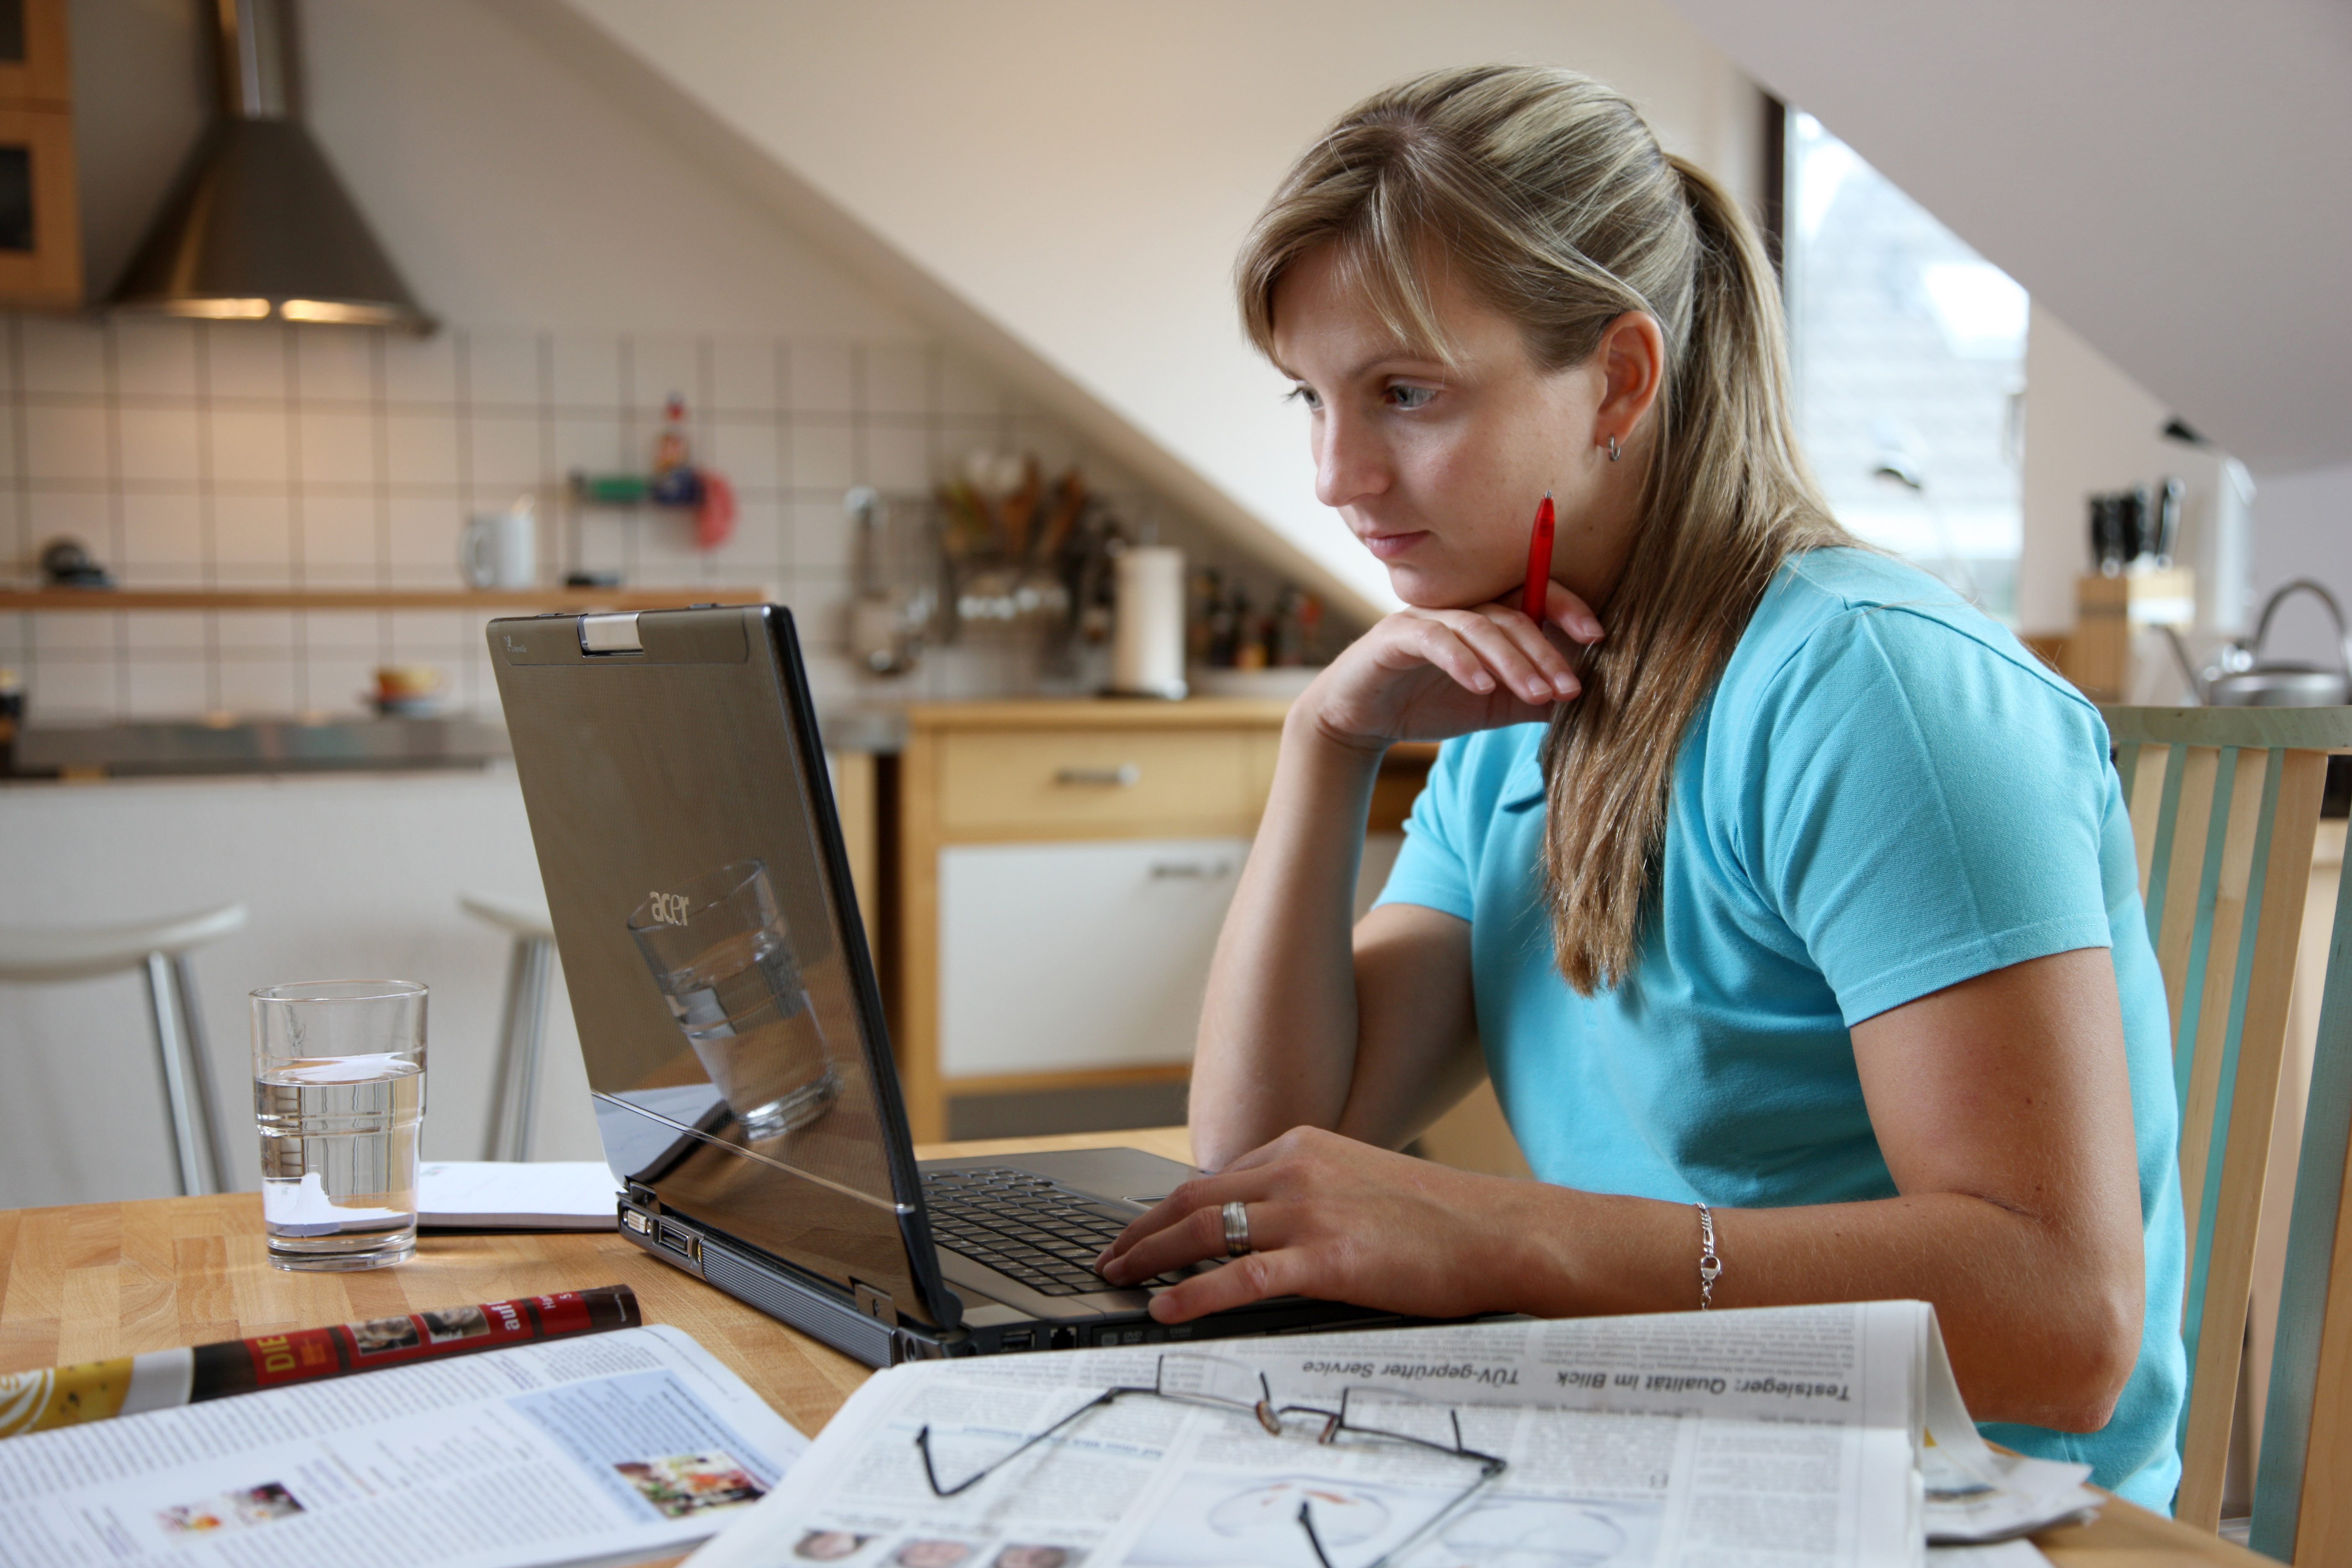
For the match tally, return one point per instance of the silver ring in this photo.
(1237, 1241)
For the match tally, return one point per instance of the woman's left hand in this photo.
(1336, 1220)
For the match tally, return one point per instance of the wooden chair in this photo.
(2303, 1481)
(2224, 806)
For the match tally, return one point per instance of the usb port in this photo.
(1019, 1340)
(678, 1241)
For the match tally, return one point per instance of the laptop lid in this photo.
(726, 1001)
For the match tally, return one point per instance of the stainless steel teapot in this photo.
(2238, 677)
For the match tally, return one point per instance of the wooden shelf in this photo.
(47, 599)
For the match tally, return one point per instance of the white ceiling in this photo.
(2172, 177)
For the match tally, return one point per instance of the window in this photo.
(1909, 354)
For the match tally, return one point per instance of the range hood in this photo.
(259, 226)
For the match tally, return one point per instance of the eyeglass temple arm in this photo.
(1307, 1523)
(931, 1474)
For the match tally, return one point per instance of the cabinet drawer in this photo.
(1048, 780)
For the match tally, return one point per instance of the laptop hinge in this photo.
(875, 1304)
(609, 634)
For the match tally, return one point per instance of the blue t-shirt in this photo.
(1885, 796)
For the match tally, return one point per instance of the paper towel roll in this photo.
(1147, 650)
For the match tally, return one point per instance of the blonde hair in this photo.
(1546, 196)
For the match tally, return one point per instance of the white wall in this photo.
(1076, 176)
(2303, 528)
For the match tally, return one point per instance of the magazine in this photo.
(53, 1396)
(603, 1448)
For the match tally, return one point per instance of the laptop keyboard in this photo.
(1045, 1235)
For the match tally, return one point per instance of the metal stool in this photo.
(159, 949)
(515, 1086)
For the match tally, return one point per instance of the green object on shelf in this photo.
(612, 489)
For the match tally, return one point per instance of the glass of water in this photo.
(339, 1098)
(722, 956)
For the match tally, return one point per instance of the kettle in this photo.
(2239, 679)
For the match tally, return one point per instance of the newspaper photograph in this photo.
(1783, 1437)
(609, 1448)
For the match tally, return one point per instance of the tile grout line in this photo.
(110, 373)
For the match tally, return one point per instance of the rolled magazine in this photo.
(165, 1380)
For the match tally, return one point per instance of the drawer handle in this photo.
(1200, 870)
(1127, 776)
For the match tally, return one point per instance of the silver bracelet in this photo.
(1710, 1264)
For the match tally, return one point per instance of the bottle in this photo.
(674, 480)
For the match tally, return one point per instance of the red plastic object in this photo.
(1531, 601)
(715, 520)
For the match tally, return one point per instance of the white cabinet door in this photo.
(1065, 956)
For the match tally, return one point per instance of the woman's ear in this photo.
(1631, 355)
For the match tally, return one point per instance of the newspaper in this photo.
(605, 1448)
(1781, 1437)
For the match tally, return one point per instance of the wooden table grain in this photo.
(93, 1280)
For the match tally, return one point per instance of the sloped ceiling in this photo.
(2172, 177)
(1062, 183)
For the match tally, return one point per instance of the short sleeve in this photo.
(1433, 869)
(1920, 808)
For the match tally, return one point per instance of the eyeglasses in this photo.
(1194, 1380)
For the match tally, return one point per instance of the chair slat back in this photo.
(2302, 1483)
(2225, 806)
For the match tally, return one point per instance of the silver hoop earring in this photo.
(1612, 448)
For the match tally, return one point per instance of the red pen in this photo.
(1539, 562)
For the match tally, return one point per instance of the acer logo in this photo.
(669, 909)
(514, 644)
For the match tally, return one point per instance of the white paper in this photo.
(601, 1448)
(547, 1194)
(2007, 1554)
(1786, 1437)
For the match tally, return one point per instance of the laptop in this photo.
(744, 1085)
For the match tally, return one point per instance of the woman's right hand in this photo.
(1428, 675)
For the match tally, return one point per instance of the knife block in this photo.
(2109, 613)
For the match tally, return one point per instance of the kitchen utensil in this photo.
(501, 550)
(877, 628)
(66, 562)
(2243, 680)
(2168, 519)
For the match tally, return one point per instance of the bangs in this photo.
(1375, 209)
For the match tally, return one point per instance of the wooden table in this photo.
(108, 1279)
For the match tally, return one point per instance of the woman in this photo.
(1794, 915)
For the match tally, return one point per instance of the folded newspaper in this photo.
(1784, 1436)
(607, 1448)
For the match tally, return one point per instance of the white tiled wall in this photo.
(251, 455)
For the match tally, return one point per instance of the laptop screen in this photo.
(711, 942)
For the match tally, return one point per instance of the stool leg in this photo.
(200, 1072)
(189, 1135)
(530, 1028)
(495, 1138)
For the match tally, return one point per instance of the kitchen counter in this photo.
(260, 746)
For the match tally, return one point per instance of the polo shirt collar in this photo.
(1523, 786)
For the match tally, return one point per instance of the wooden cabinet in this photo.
(40, 220)
(1063, 867)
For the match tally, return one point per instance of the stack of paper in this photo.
(492, 1195)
